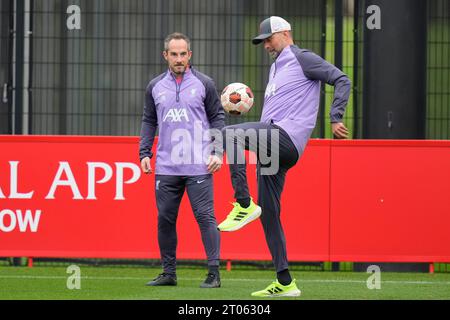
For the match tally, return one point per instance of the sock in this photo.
(171, 274)
(244, 202)
(284, 277)
(213, 269)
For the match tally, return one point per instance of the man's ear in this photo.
(165, 54)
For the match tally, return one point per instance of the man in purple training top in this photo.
(183, 105)
(291, 104)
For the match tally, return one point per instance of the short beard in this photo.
(178, 73)
(274, 55)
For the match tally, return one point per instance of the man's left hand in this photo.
(214, 163)
(339, 130)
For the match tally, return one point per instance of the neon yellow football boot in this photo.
(239, 216)
(276, 289)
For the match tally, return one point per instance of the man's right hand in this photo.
(145, 165)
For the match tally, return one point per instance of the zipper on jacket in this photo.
(178, 89)
(178, 86)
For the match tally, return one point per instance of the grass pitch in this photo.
(98, 283)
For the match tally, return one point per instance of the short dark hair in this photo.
(176, 36)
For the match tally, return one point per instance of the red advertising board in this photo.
(73, 216)
(390, 201)
(64, 196)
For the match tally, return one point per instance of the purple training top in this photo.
(183, 113)
(292, 94)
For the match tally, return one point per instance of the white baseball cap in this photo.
(270, 26)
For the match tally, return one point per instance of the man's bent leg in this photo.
(238, 138)
(256, 137)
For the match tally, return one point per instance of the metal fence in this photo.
(92, 81)
(438, 70)
(5, 64)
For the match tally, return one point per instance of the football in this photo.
(237, 98)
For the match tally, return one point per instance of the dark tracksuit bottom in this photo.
(270, 186)
(169, 191)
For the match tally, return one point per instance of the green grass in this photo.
(129, 283)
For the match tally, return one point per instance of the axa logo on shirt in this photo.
(176, 115)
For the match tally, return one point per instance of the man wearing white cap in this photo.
(291, 104)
